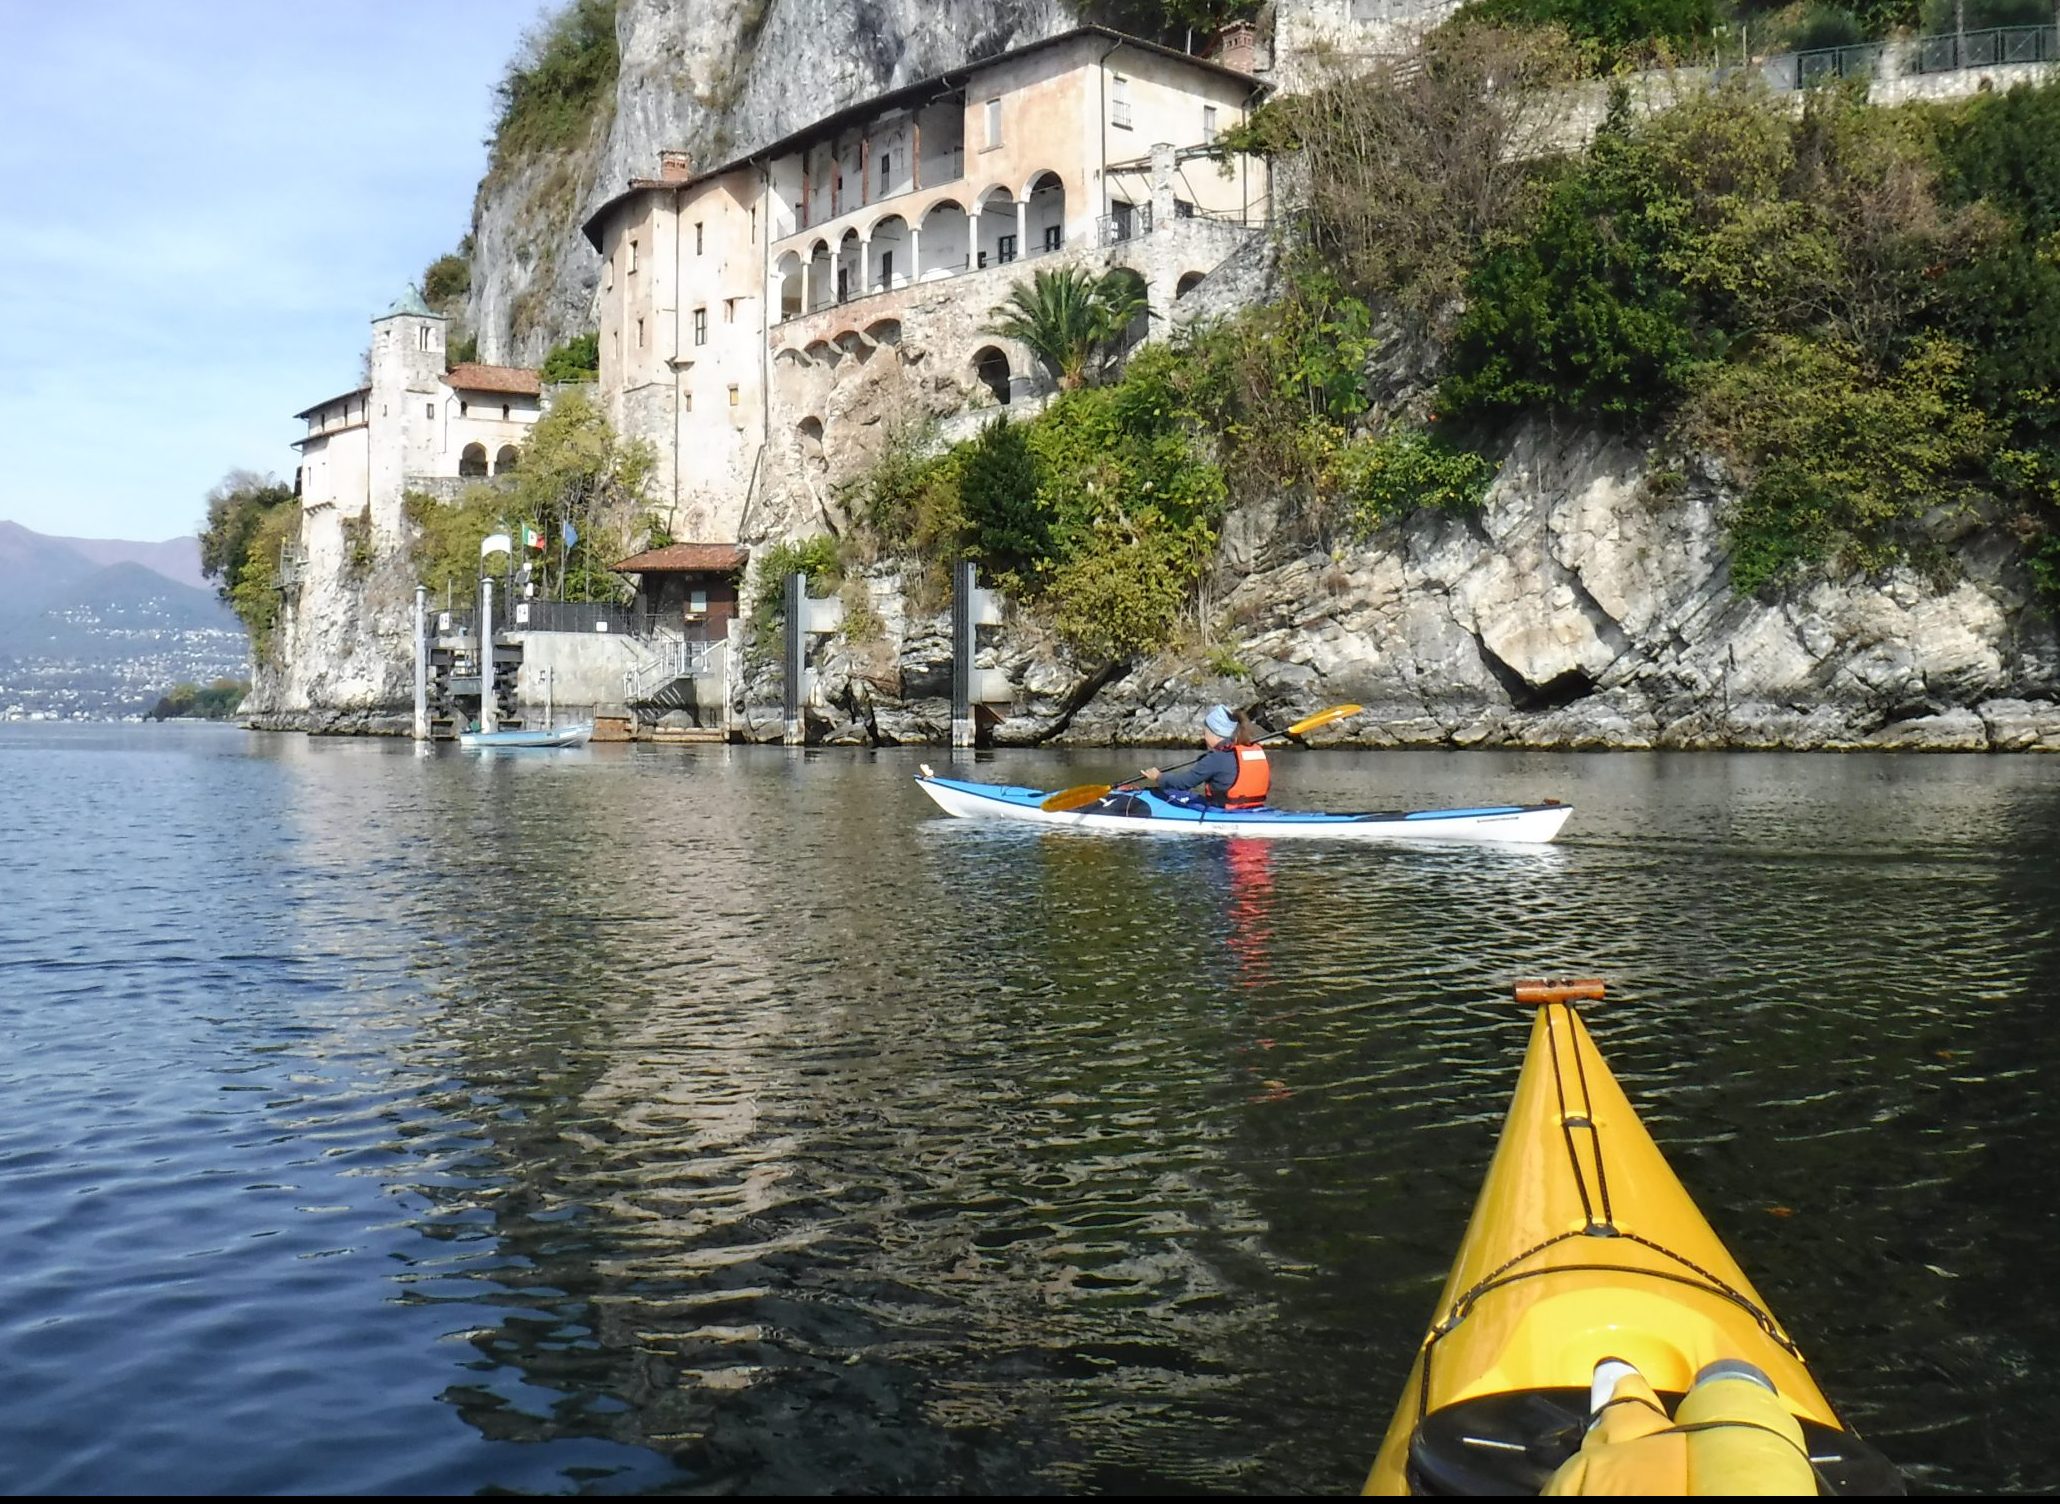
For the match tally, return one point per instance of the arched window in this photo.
(1047, 214)
(472, 461)
(505, 461)
(992, 369)
(944, 250)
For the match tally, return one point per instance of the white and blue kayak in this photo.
(1149, 812)
(563, 736)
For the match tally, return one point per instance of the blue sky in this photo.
(202, 206)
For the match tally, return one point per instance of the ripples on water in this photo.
(647, 1118)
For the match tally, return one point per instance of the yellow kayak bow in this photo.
(1585, 1248)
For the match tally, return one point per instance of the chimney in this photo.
(674, 166)
(1237, 46)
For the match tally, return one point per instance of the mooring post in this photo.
(796, 734)
(421, 663)
(964, 643)
(487, 718)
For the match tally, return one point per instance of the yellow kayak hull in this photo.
(1584, 1246)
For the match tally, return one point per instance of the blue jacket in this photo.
(1218, 769)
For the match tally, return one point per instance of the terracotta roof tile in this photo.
(720, 557)
(469, 376)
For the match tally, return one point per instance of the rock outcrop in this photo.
(1573, 611)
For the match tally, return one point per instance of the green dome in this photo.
(409, 301)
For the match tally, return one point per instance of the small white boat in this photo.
(562, 736)
(1152, 813)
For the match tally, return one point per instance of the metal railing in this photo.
(1115, 229)
(1947, 52)
(675, 659)
(576, 616)
(1985, 49)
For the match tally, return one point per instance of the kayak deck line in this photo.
(1584, 1249)
(1149, 811)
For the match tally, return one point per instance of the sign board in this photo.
(522, 614)
(601, 625)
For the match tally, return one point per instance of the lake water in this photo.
(726, 1119)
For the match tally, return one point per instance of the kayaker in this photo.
(1232, 773)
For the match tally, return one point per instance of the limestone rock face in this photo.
(1574, 611)
(344, 656)
(717, 79)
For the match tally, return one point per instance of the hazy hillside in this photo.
(82, 639)
(177, 559)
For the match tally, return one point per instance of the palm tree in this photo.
(1071, 319)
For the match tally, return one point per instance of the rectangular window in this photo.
(886, 268)
(687, 400)
(1119, 102)
(1054, 237)
(640, 334)
(1208, 122)
(429, 411)
(729, 310)
(697, 602)
(994, 122)
(504, 412)
(886, 169)
(632, 258)
(733, 396)
(1004, 248)
(700, 326)
(464, 408)
(699, 241)
(754, 224)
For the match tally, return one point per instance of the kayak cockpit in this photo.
(1513, 1443)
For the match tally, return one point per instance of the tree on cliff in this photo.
(250, 517)
(1072, 320)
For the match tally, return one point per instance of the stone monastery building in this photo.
(734, 300)
(414, 427)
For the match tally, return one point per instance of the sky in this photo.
(202, 207)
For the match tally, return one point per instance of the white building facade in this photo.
(416, 425)
(732, 301)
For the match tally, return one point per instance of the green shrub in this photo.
(1583, 316)
(564, 76)
(1407, 468)
(447, 280)
(1120, 593)
(816, 557)
(999, 491)
(1616, 30)
(1839, 460)
(357, 541)
(576, 360)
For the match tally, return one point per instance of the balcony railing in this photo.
(1948, 52)
(1127, 224)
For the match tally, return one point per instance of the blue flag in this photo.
(569, 533)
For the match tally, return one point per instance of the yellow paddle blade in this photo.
(1323, 718)
(1074, 798)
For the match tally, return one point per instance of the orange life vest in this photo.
(1248, 790)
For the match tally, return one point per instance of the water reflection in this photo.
(721, 1119)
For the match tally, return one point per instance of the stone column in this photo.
(1163, 178)
(1023, 229)
(865, 265)
(804, 282)
(915, 252)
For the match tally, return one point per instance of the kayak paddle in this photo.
(1087, 793)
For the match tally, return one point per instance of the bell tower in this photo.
(406, 405)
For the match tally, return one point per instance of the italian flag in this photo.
(531, 538)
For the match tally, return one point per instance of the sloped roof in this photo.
(359, 391)
(470, 376)
(680, 557)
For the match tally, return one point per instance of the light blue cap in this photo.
(1219, 721)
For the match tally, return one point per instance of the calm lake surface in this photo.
(726, 1119)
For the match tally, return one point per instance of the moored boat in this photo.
(1594, 1335)
(1151, 812)
(562, 736)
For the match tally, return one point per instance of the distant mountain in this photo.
(108, 641)
(33, 565)
(177, 559)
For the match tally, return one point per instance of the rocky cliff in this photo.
(1573, 611)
